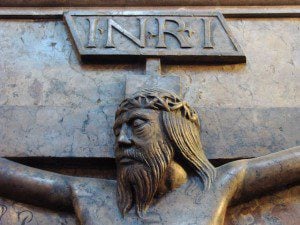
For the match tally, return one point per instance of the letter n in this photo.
(141, 42)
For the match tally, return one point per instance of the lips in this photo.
(127, 160)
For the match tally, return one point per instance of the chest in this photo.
(97, 205)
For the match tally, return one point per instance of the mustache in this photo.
(131, 153)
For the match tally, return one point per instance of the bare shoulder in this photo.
(232, 169)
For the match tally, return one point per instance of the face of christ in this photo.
(142, 156)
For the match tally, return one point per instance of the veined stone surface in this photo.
(270, 78)
(51, 105)
(48, 99)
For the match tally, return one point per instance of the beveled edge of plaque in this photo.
(117, 56)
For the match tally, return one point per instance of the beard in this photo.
(137, 182)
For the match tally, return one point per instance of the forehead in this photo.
(135, 113)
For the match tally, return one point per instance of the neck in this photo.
(174, 177)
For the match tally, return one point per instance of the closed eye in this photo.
(138, 123)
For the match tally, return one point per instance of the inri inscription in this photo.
(177, 36)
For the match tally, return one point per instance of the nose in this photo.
(124, 137)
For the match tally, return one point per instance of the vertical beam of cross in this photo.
(152, 78)
(153, 67)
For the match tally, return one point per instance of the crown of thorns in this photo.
(158, 100)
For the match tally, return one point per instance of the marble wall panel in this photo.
(52, 105)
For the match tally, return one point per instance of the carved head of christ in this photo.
(157, 140)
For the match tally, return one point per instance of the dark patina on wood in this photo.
(197, 37)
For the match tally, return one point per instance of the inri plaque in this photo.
(178, 36)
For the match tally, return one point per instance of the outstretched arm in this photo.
(270, 172)
(34, 186)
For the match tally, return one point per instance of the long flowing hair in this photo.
(185, 138)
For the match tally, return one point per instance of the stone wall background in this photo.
(51, 105)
